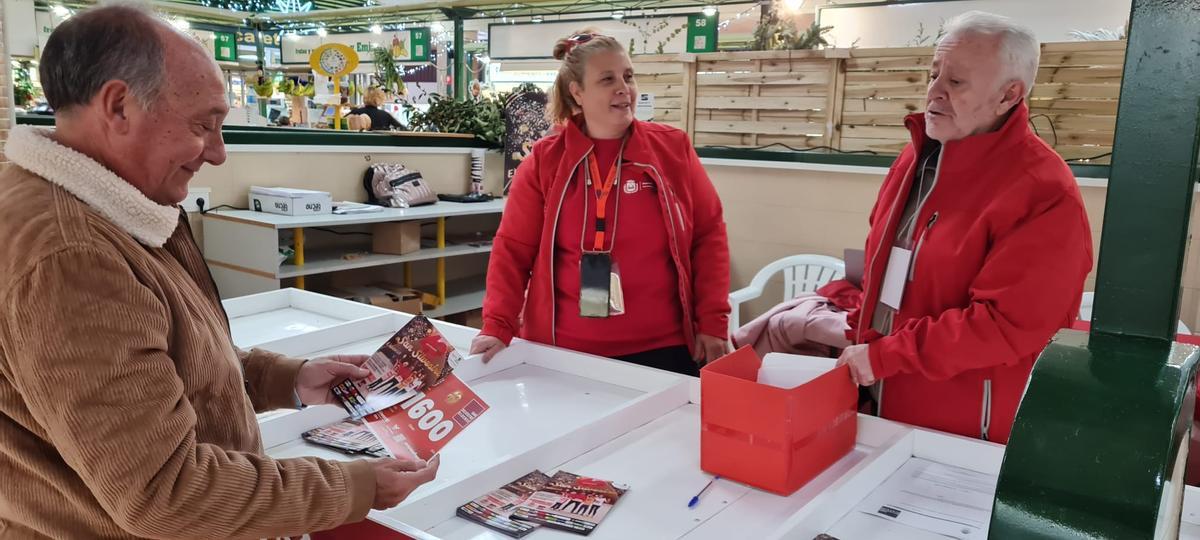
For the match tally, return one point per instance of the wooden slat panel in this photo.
(1076, 90)
(804, 117)
(1078, 106)
(761, 127)
(731, 115)
(1075, 138)
(882, 146)
(724, 66)
(1110, 75)
(661, 115)
(758, 55)
(702, 91)
(821, 65)
(1073, 152)
(1084, 58)
(873, 118)
(676, 125)
(791, 90)
(784, 103)
(657, 67)
(667, 78)
(900, 106)
(888, 63)
(731, 139)
(835, 103)
(1075, 122)
(1074, 46)
(916, 91)
(862, 78)
(794, 142)
(662, 90)
(891, 51)
(875, 132)
(710, 79)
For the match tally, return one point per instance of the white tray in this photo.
(275, 315)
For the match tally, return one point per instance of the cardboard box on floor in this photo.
(387, 295)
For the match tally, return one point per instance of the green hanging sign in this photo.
(225, 47)
(419, 44)
(702, 33)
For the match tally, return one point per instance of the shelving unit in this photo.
(241, 248)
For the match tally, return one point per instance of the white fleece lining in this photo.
(35, 151)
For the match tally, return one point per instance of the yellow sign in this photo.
(333, 60)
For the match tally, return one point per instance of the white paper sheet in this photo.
(934, 497)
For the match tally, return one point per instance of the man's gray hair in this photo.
(1019, 47)
(112, 42)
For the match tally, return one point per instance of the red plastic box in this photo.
(771, 438)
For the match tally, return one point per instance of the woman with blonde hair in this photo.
(612, 241)
(381, 120)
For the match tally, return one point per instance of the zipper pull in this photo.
(932, 220)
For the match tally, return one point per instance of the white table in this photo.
(554, 409)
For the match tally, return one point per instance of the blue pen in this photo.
(696, 500)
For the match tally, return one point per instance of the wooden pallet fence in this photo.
(1073, 106)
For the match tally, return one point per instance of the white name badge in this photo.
(895, 278)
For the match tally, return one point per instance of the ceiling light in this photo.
(618, 15)
(376, 29)
(61, 11)
(322, 32)
(181, 24)
(710, 10)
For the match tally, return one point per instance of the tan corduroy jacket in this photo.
(125, 409)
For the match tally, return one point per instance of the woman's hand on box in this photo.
(859, 360)
(709, 348)
(488, 346)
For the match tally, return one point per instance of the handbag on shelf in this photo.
(394, 185)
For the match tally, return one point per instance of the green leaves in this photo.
(483, 118)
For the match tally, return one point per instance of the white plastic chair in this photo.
(801, 274)
(1089, 299)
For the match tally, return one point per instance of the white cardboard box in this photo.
(290, 202)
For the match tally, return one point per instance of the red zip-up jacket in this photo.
(520, 277)
(1001, 250)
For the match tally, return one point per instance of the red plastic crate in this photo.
(772, 438)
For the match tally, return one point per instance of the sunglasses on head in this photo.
(578, 39)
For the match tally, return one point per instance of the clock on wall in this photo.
(333, 60)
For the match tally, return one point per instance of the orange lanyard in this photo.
(602, 193)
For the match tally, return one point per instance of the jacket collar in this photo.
(578, 144)
(34, 150)
(976, 149)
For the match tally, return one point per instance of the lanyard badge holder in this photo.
(600, 293)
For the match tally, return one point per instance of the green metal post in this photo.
(1150, 186)
(1101, 437)
(460, 60)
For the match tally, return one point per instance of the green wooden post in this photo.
(1100, 440)
(460, 60)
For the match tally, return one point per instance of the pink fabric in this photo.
(809, 324)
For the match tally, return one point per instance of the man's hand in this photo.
(860, 364)
(317, 375)
(709, 348)
(396, 479)
(488, 346)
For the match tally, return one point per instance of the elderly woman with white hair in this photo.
(979, 243)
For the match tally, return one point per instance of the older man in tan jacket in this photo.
(125, 410)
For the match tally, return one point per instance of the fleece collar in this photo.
(34, 150)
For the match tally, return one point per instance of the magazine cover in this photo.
(571, 503)
(411, 400)
(493, 510)
(349, 436)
